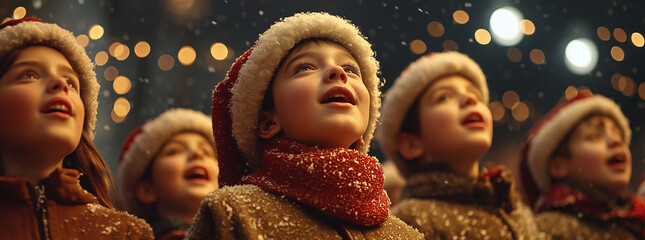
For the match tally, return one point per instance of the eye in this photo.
(592, 136)
(28, 75)
(351, 69)
(72, 83)
(304, 67)
(442, 97)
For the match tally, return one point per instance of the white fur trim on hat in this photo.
(148, 142)
(553, 132)
(414, 80)
(31, 33)
(273, 45)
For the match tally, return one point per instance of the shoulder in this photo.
(116, 223)
(395, 228)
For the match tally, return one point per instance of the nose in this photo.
(614, 140)
(195, 154)
(57, 83)
(336, 73)
(467, 99)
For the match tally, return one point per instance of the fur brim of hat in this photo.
(552, 132)
(32, 33)
(146, 142)
(414, 80)
(272, 46)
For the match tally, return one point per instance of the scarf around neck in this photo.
(339, 182)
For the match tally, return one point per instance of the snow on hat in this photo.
(24, 32)
(548, 134)
(237, 101)
(414, 80)
(143, 143)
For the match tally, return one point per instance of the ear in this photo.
(559, 167)
(144, 192)
(409, 146)
(268, 126)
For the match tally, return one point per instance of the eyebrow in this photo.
(299, 56)
(61, 68)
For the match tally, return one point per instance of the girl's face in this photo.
(320, 98)
(184, 171)
(40, 103)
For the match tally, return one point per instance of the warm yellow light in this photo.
(121, 85)
(537, 56)
(6, 20)
(641, 90)
(82, 40)
(571, 92)
(142, 49)
(116, 118)
(186, 55)
(96, 32)
(460, 16)
(166, 62)
(19, 12)
(630, 87)
(110, 73)
(603, 33)
(637, 39)
(482, 36)
(418, 46)
(450, 45)
(520, 112)
(510, 98)
(121, 107)
(122, 52)
(620, 35)
(617, 53)
(527, 27)
(514, 54)
(219, 51)
(497, 109)
(101, 58)
(436, 29)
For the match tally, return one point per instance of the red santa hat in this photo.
(414, 80)
(548, 134)
(25, 32)
(142, 145)
(237, 100)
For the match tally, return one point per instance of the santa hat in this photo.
(237, 101)
(25, 32)
(548, 134)
(414, 80)
(142, 145)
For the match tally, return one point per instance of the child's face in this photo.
(598, 155)
(454, 122)
(184, 170)
(320, 98)
(40, 103)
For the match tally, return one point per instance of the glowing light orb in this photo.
(581, 56)
(505, 26)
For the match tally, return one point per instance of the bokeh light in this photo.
(460, 16)
(121, 85)
(620, 35)
(581, 56)
(482, 36)
(418, 46)
(110, 73)
(628, 86)
(436, 29)
(641, 90)
(603, 33)
(510, 99)
(166, 62)
(450, 45)
(101, 58)
(122, 52)
(6, 20)
(186, 55)
(571, 92)
(505, 26)
(96, 32)
(537, 56)
(83, 40)
(514, 54)
(219, 51)
(637, 39)
(617, 53)
(520, 112)
(19, 12)
(120, 110)
(498, 110)
(527, 27)
(142, 49)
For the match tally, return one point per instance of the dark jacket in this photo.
(445, 205)
(60, 209)
(249, 212)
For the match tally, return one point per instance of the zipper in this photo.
(39, 200)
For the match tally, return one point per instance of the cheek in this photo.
(438, 122)
(589, 157)
(167, 170)
(23, 105)
(294, 101)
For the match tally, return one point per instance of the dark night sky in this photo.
(389, 25)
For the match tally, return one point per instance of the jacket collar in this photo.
(62, 186)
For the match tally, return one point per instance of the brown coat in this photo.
(70, 212)
(445, 205)
(249, 212)
(562, 225)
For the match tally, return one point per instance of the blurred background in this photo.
(154, 55)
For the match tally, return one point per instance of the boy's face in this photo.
(40, 103)
(454, 123)
(598, 155)
(184, 171)
(319, 97)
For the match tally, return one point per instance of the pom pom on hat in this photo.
(548, 134)
(414, 80)
(237, 101)
(143, 143)
(25, 32)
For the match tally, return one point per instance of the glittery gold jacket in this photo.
(249, 212)
(445, 205)
(61, 209)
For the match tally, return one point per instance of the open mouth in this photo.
(338, 95)
(196, 173)
(57, 105)
(473, 119)
(617, 161)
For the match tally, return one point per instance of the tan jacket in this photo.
(249, 212)
(445, 205)
(561, 226)
(67, 210)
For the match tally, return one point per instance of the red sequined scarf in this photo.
(341, 183)
(564, 197)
